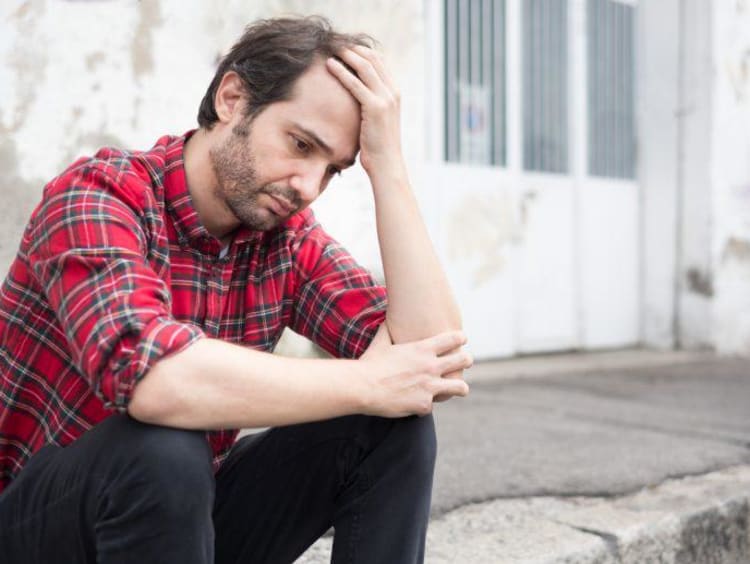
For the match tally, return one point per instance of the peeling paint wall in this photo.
(730, 177)
(78, 75)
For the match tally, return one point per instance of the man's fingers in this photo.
(365, 70)
(444, 342)
(350, 82)
(451, 388)
(376, 61)
(456, 361)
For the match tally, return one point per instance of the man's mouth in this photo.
(280, 206)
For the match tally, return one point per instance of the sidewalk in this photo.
(616, 457)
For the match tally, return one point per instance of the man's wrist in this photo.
(361, 386)
(388, 171)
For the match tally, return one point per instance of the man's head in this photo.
(271, 55)
(282, 125)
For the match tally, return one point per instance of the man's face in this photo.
(273, 165)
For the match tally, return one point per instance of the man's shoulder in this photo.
(126, 174)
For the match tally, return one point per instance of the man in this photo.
(148, 288)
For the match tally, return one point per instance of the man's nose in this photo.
(309, 182)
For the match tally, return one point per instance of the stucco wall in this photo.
(77, 75)
(730, 179)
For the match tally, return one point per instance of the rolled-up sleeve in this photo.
(338, 305)
(89, 255)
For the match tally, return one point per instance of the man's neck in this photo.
(202, 185)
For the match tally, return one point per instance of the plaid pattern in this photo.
(115, 271)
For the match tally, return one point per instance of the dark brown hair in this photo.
(271, 55)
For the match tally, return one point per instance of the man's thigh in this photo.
(279, 491)
(105, 496)
(41, 520)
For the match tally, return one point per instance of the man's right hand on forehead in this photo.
(374, 89)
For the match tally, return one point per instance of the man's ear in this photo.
(231, 97)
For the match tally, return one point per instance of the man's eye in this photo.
(300, 145)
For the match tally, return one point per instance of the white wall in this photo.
(694, 275)
(657, 151)
(730, 176)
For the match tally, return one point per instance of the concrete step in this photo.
(692, 520)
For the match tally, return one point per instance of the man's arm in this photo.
(216, 385)
(420, 302)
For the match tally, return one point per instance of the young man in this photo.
(136, 321)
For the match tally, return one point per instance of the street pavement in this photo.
(628, 457)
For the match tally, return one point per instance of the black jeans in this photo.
(126, 492)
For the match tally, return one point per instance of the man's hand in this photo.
(380, 135)
(405, 379)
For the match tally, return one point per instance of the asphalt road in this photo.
(598, 433)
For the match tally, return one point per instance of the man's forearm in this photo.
(218, 385)
(420, 301)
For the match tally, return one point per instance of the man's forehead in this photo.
(322, 108)
(317, 79)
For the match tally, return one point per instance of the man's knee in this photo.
(171, 465)
(418, 442)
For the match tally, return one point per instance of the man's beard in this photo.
(237, 183)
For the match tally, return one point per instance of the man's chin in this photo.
(264, 223)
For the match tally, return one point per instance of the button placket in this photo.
(218, 285)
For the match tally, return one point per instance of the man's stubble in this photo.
(237, 184)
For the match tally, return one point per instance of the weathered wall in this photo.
(77, 75)
(694, 274)
(730, 176)
(658, 99)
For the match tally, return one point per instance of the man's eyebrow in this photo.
(322, 144)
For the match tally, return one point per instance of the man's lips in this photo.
(280, 206)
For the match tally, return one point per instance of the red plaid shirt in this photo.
(115, 271)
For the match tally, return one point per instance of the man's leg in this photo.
(124, 492)
(369, 477)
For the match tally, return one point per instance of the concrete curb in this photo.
(693, 520)
(539, 366)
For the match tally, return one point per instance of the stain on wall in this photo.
(93, 60)
(480, 229)
(737, 249)
(142, 49)
(699, 282)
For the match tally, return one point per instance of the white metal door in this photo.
(540, 261)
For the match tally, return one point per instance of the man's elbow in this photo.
(150, 402)
(412, 329)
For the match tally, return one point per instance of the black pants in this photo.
(126, 492)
